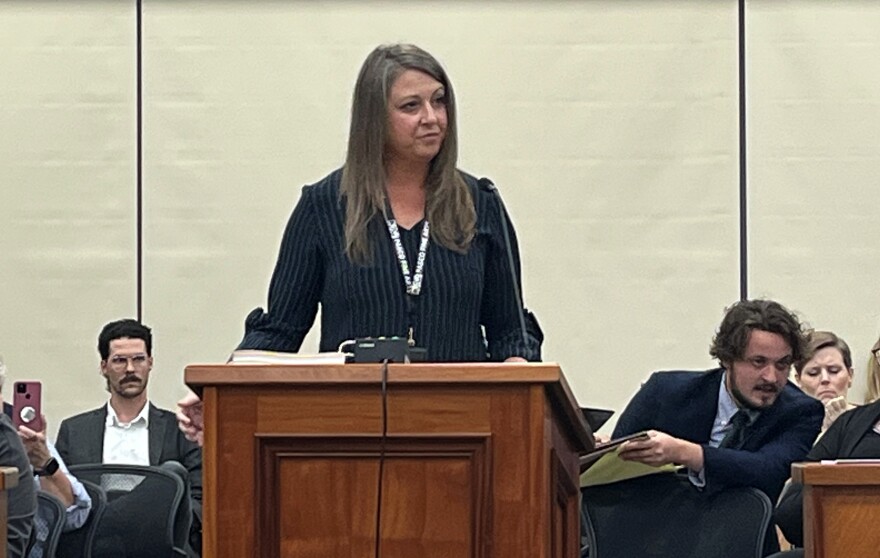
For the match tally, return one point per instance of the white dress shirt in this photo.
(127, 443)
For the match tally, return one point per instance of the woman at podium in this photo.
(399, 242)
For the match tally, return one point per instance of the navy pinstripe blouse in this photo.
(463, 295)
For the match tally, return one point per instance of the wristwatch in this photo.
(48, 469)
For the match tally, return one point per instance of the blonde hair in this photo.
(449, 206)
(873, 376)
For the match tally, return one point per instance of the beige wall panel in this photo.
(814, 112)
(609, 127)
(67, 201)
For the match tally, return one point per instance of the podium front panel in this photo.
(465, 469)
(321, 497)
(841, 508)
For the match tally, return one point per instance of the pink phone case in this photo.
(27, 408)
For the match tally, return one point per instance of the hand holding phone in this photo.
(27, 406)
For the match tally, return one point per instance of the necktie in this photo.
(735, 437)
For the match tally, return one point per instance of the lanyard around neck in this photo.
(413, 282)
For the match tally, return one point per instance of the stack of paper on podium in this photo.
(248, 356)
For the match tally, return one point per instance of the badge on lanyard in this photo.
(412, 281)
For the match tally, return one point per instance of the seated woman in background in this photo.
(874, 374)
(854, 435)
(826, 373)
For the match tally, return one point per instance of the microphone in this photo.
(488, 186)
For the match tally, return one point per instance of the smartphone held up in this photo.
(27, 408)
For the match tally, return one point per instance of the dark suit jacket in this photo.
(81, 440)
(684, 405)
(838, 442)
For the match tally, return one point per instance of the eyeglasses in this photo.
(760, 363)
(877, 354)
(122, 362)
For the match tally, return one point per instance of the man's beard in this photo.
(743, 401)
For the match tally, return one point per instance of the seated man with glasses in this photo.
(129, 429)
(742, 424)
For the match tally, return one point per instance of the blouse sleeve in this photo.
(295, 289)
(501, 307)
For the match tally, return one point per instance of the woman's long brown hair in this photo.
(449, 206)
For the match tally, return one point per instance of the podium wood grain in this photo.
(480, 460)
(841, 509)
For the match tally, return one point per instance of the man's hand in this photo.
(38, 454)
(35, 445)
(190, 419)
(660, 448)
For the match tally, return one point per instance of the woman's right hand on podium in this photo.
(190, 419)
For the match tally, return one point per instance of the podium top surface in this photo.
(203, 375)
(838, 473)
(199, 376)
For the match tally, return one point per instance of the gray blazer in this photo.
(22, 499)
(81, 440)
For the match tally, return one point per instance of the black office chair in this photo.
(184, 516)
(79, 543)
(143, 503)
(48, 523)
(665, 516)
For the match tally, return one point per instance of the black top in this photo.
(851, 436)
(462, 295)
(868, 447)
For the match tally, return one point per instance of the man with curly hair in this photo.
(741, 424)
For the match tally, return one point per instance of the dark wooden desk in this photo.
(841, 508)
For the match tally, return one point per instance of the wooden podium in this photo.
(841, 508)
(478, 460)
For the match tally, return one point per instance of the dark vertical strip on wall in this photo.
(743, 201)
(139, 159)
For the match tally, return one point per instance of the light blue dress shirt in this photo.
(721, 426)
(78, 512)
